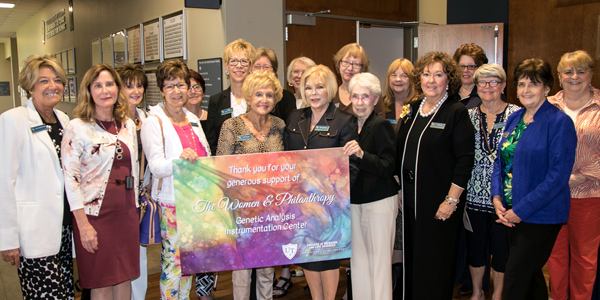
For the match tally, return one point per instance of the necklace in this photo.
(434, 109)
(257, 133)
(119, 150)
(191, 139)
(54, 137)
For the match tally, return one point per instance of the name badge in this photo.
(393, 121)
(499, 125)
(336, 104)
(194, 124)
(38, 128)
(98, 141)
(321, 128)
(227, 111)
(244, 137)
(436, 125)
(505, 135)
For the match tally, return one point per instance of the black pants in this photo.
(530, 246)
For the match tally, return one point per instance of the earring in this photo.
(226, 72)
(290, 84)
(446, 88)
(560, 83)
(546, 94)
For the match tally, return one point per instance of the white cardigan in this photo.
(31, 184)
(87, 154)
(160, 160)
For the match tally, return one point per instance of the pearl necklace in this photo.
(435, 108)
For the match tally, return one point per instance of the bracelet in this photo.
(451, 203)
(452, 199)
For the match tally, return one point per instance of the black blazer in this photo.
(285, 106)
(375, 180)
(342, 127)
(216, 117)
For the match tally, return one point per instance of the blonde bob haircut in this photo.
(324, 75)
(298, 60)
(268, 53)
(239, 45)
(355, 50)
(259, 80)
(388, 94)
(367, 80)
(31, 69)
(578, 59)
(86, 108)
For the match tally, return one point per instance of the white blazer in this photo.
(160, 160)
(31, 184)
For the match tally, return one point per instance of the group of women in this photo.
(436, 141)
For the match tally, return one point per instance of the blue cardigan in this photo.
(543, 163)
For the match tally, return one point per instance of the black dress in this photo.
(433, 152)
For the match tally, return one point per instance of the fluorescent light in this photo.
(7, 5)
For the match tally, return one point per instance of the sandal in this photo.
(284, 289)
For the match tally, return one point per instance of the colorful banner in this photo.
(260, 210)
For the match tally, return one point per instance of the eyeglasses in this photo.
(234, 62)
(470, 67)
(171, 87)
(493, 83)
(364, 98)
(263, 67)
(345, 64)
(196, 87)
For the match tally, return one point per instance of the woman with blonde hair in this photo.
(100, 162)
(574, 259)
(294, 72)
(36, 224)
(238, 57)
(321, 125)
(262, 91)
(399, 90)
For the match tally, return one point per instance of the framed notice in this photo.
(151, 31)
(107, 50)
(153, 95)
(134, 45)
(72, 83)
(260, 210)
(212, 71)
(174, 36)
(96, 52)
(119, 48)
(66, 96)
(64, 60)
(71, 62)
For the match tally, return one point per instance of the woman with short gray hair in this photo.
(374, 195)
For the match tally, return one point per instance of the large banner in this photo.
(260, 210)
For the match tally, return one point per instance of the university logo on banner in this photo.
(289, 250)
(260, 210)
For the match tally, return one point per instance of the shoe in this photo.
(297, 273)
(463, 291)
(284, 289)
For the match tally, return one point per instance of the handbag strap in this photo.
(163, 142)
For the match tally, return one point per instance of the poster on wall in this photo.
(152, 41)
(96, 59)
(72, 83)
(64, 60)
(174, 36)
(71, 62)
(153, 95)
(66, 96)
(119, 48)
(211, 71)
(107, 51)
(134, 45)
(261, 210)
